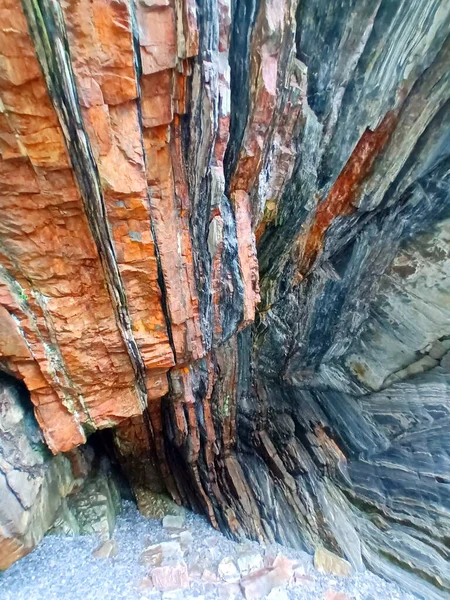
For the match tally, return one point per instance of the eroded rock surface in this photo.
(33, 483)
(225, 231)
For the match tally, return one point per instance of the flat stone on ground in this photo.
(171, 577)
(173, 522)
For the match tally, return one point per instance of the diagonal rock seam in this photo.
(46, 24)
(316, 416)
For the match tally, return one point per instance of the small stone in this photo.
(146, 583)
(261, 583)
(445, 362)
(304, 580)
(195, 572)
(171, 577)
(283, 562)
(173, 595)
(209, 576)
(171, 552)
(185, 538)
(257, 585)
(299, 571)
(229, 591)
(173, 522)
(152, 556)
(327, 562)
(333, 595)
(155, 3)
(277, 594)
(107, 549)
(437, 350)
(248, 563)
(228, 571)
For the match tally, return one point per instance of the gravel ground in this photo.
(63, 568)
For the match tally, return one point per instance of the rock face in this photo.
(225, 231)
(33, 483)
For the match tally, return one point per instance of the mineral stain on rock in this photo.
(224, 277)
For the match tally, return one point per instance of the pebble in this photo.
(173, 522)
(248, 563)
(64, 567)
(333, 595)
(107, 549)
(228, 571)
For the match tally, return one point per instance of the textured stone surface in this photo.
(225, 231)
(327, 562)
(33, 483)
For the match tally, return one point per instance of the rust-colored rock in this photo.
(224, 234)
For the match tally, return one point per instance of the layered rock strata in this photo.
(224, 234)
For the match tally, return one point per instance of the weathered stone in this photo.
(173, 521)
(334, 595)
(185, 538)
(152, 556)
(327, 562)
(33, 483)
(249, 562)
(170, 577)
(65, 522)
(260, 583)
(108, 549)
(277, 594)
(227, 570)
(230, 591)
(154, 505)
(97, 505)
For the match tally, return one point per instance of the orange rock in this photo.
(157, 37)
(170, 577)
(115, 135)
(171, 220)
(66, 314)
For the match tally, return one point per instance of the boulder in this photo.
(327, 562)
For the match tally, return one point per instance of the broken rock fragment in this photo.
(248, 563)
(171, 577)
(262, 582)
(327, 562)
(108, 549)
(173, 521)
(227, 570)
